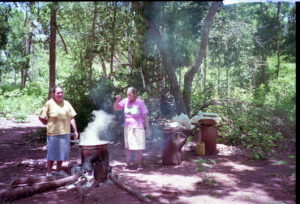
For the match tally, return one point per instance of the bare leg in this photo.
(128, 157)
(58, 165)
(49, 165)
(140, 158)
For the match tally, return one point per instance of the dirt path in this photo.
(230, 177)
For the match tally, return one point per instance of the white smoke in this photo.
(95, 129)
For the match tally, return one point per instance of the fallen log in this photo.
(18, 193)
(41, 164)
(127, 188)
(31, 180)
(13, 143)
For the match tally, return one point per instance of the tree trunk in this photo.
(112, 48)
(219, 79)
(27, 45)
(33, 71)
(189, 76)
(24, 52)
(175, 88)
(103, 65)
(227, 80)
(127, 36)
(263, 69)
(62, 39)
(277, 38)
(91, 48)
(52, 48)
(204, 72)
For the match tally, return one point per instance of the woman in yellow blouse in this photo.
(58, 114)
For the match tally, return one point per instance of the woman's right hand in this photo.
(118, 98)
(44, 121)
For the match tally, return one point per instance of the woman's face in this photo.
(131, 96)
(58, 95)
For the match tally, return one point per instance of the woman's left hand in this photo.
(148, 133)
(76, 135)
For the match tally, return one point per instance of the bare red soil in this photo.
(234, 178)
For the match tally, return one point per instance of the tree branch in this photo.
(62, 39)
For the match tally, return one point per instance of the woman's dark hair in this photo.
(132, 90)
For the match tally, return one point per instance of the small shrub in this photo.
(208, 180)
(20, 117)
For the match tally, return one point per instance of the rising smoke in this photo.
(96, 129)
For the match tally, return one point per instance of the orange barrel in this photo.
(209, 137)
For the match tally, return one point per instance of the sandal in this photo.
(140, 168)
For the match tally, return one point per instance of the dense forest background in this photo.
(236, 60)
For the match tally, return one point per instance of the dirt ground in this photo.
(231, 178)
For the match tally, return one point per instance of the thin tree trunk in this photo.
(277, 40)
(204, 72)
(128, 35)
(263, 69)
(112, 48)
(189, 76)
(263, 57)
(23, 65)
(175, 88)
(52, 72)
(227, 81)
(91, 48)
(219, 77)
(103, 65)
(65, 46)
(278, 58)
(143, 78)
(32, 62)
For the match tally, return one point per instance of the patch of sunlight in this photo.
(281, 162)
(159, 180)
(238, 167)
(116, 162)
(253, 197)
(225, 179)
(204, 199)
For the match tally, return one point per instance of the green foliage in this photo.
(201, 164)
(250, 126)
(19, 104)
(149, 196)
(256, 118)
(208, 180)
(85, 101)
(4, 26)
(77, 93)
(259, 95)
(199, 98)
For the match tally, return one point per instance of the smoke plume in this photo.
(96, 129)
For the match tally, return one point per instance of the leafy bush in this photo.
(19, 104)
(76, 92)
(250, 126)
(84, 101)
